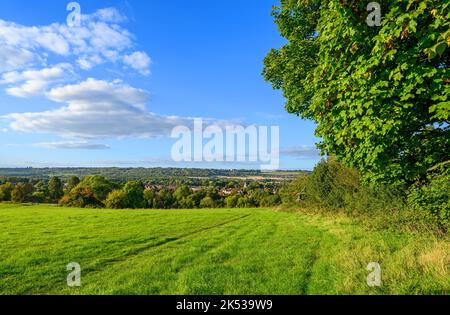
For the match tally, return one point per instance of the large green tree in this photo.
(22, 192)
(5, 191)
(134, 190)
(99, 185)
(55, 189)
(72, 182)
(81, 197)
(379, 95)
(117, 199)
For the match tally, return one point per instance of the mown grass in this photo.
(239, 251)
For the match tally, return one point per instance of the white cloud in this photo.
(27, 89)
(45, 37)
(139, 61)
(100, 94)
(72, 145)
(97, 109)
(98, 40)
(13, 57)
(107, 15)
(34, 82)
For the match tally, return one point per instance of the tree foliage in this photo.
(72, 182)
(99, 185)
(5, 191)
(379, 95)
(81, 197)
(134, 190)
(432, 197)
(117, 199)
(55, 189)
(22, 192)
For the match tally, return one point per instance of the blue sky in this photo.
(108, 92)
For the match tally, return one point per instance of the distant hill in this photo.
(144, 174)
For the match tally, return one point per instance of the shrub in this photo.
(232, 201)
(38, 197)
(295, 192)
(432, 198)
(72, 182)
(5, 191)
(195, 199)
(81, 197)
(182, 192)
(134, 191)
(331, 185)
(164, 200)
(270, 201)
(55, 189)
(22, 193)
(117, 199)
(99, 185)
(247, 202)
(149, 197)
(207, 202)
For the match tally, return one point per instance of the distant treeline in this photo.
(154, 175)
(95, 191)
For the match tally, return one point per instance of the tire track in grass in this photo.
(129, 254)
(249, 268)
(219, 273)
(169, 263)
(200, 262)
(311, 261)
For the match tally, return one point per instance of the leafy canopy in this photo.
(379, 95)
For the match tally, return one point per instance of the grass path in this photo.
(240, 251)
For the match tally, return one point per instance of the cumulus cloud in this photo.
(97, 109)
(99, 39)
(139, 61)
(13, 57)
(34, 82)
(72, 145)
(101, 95)
(106, 15)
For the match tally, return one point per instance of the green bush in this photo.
(117, 199)
(22, 192)
(270, 201)
(38, 197)
(99, 185)
(164, 200)
(207, 202)
(294, 193)
(149, 197)
(432, 198)
(5, 191)
(232, 201)
(134, 192)
(55, 189)
(332, 185)
(81, 197)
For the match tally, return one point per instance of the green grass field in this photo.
(242, 251)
